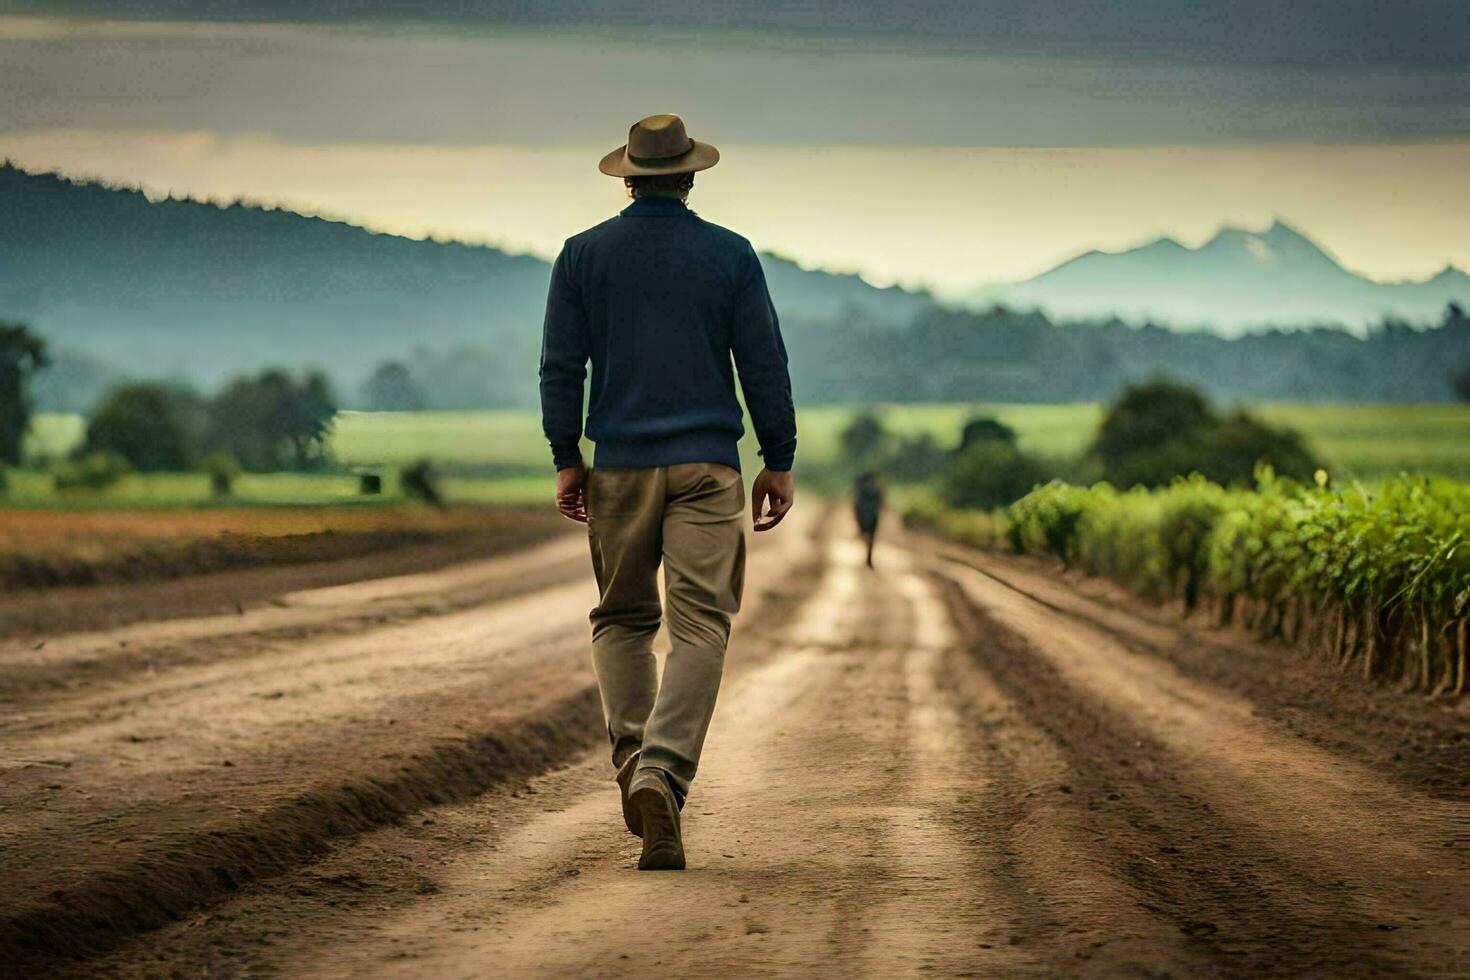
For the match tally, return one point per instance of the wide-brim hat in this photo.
(659, 145)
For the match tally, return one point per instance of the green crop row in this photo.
(1378, 580)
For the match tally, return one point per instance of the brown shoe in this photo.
(652, 799)
(625, 777)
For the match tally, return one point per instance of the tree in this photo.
(420, 480)
(21, 354)
(392, 388)
(1242, 442)
(308, 419)
(985, 429)
(222, 468)
(153, 426)
(271, 421)
(1163, 430)
(864, 438)
(917, 457)
(1455, 318)
(1461, 382)
(1148, 416)
(991, 473)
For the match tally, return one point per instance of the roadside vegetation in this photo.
(499, 456)
(1234, 519)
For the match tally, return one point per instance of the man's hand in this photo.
(571, 497)
(779, 490)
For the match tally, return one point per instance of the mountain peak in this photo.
(1449, 273)
(1165, 244)
(1241, 280)
(1277, 241)
(1281, 233)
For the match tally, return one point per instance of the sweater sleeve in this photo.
(565, 348)
(760, 358)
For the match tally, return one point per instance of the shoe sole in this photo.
(631, 818)
(663, 849)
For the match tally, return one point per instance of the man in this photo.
(867, 507)
(660, 301)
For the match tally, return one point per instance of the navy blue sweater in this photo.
(659, 300)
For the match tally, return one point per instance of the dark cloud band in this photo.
(1346, 33)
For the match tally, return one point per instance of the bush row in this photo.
(1377, 580)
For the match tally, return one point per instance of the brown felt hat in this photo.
(659, 145)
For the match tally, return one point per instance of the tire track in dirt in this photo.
(398, 865)
(33, 671)
(66, 609)
(814, 846)
(312, 749)
(557, 895)
(850, 821)
(1267, 851)
(914, 770)
(1422, 745)
(201, 865)
(1069, 913)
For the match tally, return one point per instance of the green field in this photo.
(501, 456)
(1363, 441)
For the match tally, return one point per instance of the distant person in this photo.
(660, 301)
(867, 507)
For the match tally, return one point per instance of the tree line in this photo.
(1007, 355)
(275, 420)
(941, 355)
(1014, 356)
(265, 422)
(1153, 433)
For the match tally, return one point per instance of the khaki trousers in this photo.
(687, 517)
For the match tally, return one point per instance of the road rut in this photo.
(932, 768)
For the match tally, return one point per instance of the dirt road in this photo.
(952, 765)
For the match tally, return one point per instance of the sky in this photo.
(941, 145)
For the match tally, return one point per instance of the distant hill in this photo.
(1238, 282)
(124, 285)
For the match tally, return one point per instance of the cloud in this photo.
(324, 85)
(1352, 33)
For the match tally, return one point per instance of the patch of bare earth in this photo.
(1279, 855)
(1421, 743)
(153, 770)
(931, 768)
(61, 571)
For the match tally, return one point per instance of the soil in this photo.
(953, 765)
(65, 572)
(44, 549)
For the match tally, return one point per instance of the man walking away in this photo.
(867, 506)
(660, 301)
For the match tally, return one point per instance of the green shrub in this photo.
(985, 429)
(864, 440)
(1148, 417)
(421, 482)
(223, 468)
(979, 529)
(154, 427)
(916, 458)
(990, 474)
(1047, 520)
(1160, 431)
(93, 472)
(1377, 579)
